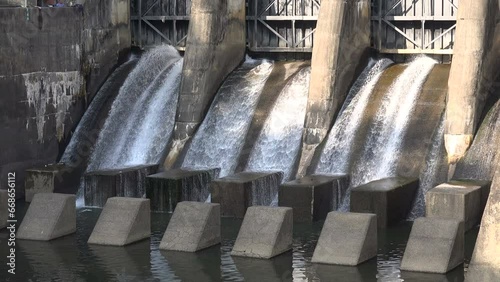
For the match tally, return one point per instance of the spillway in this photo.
(277, 147)
(220, 137)
(141, 119)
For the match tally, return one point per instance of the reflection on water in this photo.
(71, 259)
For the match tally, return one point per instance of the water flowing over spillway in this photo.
(277, 147)
(335, 157)
(479, 162)
(142, 116)
(221, 135)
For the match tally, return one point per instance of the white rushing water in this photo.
(219, 139)
(142, 116)
(277, 147)
(336, 155)
(383, 143)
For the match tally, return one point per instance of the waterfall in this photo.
(479, 162)
(277, 147)
(142, 117)
(383, 143)
(219, 139)
(336, 155)
(87, 129)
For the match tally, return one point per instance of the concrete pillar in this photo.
(476, 54)
(485, 262)
(215, 46)
(341, 40)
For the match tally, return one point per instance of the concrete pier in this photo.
(215, 46)
(485, 262)
(313, 197)
(390, 199)
(126, 182)
(340, 51)
(435, 245)
(50, 216)
(4, 213)
(122, 221)
(265, 232)
(347, 239)
(52, 178)
(237, 192)
(461, 200)
(166, 189)
(194, 226)
(476, 55)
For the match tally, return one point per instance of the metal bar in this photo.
(418, 18)
(284, 18)
(317, 3)
(163, 18)
(417, 51)
(401, 32)
(179, 42)
(293, 34)
(254, 35)
(274, 31)
(159, 32)
(441, 35)
(305, 37)
(287, 2)
(140, 24)
(379, 24)
(454, 6)
(393, 7)
(151, 7)
(282, 49)
(265, 10)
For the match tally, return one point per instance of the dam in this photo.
(250, 140)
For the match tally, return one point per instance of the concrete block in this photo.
(4, 213)
(49, 216)
(166, 189)
(390, 199)
(51, 178)
(122, 221)
(235, 193)
(461, 200)
(313, 197)
(435, 245)
(126, 182)
(347, 239)
(194, 226)
(265, 232)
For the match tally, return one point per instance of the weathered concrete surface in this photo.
(4, 214)
(341, 44)
(485, 262)
(235, 193)
(126, 182)
(17, 3)
(122, 221)
(314, 196)
(265, 232)
(52, 65)
(166, 189)
(49, 216)
(347, 239)
(435, 245)
(215, 46)
(389, 198)
(194, 226)
(476, 57)
(460, 200)
(52, 178)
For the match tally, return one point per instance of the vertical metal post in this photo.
(255, 12)
(423, 27)
(174, 22)
(379, 25)
(140, 24)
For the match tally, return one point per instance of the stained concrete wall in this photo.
(215, 47)
(52, 62)
(485, 262)
(474, 69)
(341, 43)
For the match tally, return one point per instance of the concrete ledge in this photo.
(461, 200)
(49, 216)
(127, 182)
(390, 199)
(51, 178)
(313, 197)
(194, 226)
(122, 221)
(235, 193)
(435, 245)
(166, 189)
(4, 213)
(266, 232)
(347, 239)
